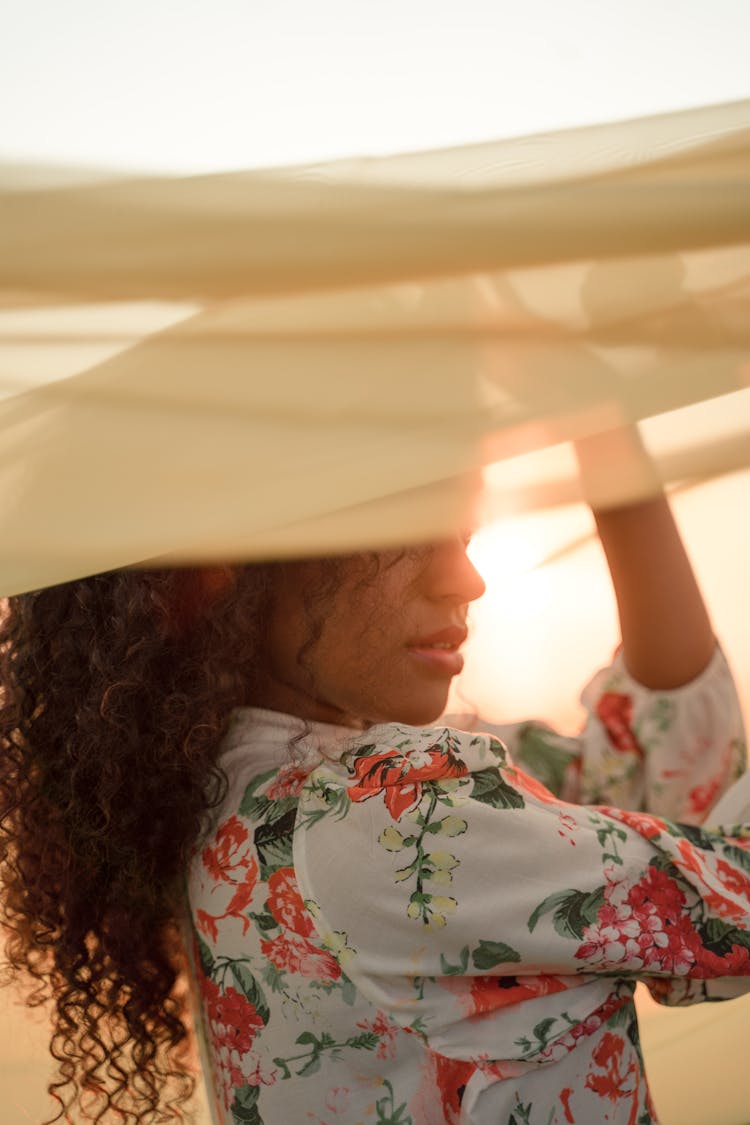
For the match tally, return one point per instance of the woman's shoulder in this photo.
(395, 751)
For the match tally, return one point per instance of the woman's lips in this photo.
(440, 650)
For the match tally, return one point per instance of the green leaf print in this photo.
(541, 1030)
(543, 1033)
(458, 970)
(608, 833)
(572, 911)
(663, 713)
(524, 1114)
(387, 1110)
(332, 799)
(274, 978)
(738, 856)
(273, 843)
(254, 805)
(348, 991)
(245, 1106)
(491, 789)
(719, 936)
(263, 922)
(539, 752)
(490, 953)
(250, 988)
(317, 1047)
(699, 837)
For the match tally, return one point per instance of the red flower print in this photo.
(718, 903)
(241, 898)
(565, 1096)
(233, 1020)
(297, 955)
(490, 993)
(615, 1083)
(656, 892)
(529, 785)
(643, 926)
(451, 1076)
(647, 825)
(230, 860)
(285, 903)
(288, 783)
(233, 1023)
(702, 797)
(231, 852)
(567, 1042)
(734, 963)
(386, 1032)
(207, 924)
(733, 879)
(615, 712)
(399, 776)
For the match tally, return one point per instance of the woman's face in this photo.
(369, 638)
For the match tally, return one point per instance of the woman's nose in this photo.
(454, 574)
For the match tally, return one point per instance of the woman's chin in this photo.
(420, 712)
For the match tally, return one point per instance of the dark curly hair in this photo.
(117, 690)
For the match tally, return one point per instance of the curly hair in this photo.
(117, 691)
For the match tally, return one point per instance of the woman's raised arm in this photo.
(667, 638)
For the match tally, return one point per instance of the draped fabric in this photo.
(319, 358)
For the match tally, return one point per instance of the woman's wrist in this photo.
(615, 469)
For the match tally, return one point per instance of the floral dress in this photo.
(419, 926)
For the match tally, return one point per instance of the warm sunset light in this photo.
(548, 619)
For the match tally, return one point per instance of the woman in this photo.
(392, 922)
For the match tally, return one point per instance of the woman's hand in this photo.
(667, 636)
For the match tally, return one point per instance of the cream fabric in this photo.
(318, 359)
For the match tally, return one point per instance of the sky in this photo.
(204, 85)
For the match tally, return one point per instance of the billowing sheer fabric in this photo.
(178, 354)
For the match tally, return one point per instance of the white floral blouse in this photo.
(418, 926)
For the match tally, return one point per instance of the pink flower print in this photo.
(646, 929)
(567, 1042)
(287, 783)
(338, 1100)
(295, 954)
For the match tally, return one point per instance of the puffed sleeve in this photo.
(430, 856)
(669, 752)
